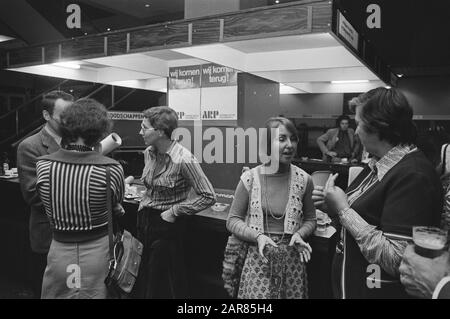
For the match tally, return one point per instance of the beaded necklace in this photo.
(278, 254)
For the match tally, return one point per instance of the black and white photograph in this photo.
(225, 154)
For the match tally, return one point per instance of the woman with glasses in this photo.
(170, 173)
(274, 212)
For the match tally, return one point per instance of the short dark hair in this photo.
(86, 118)
(162, 118)
(341, 118)
(387, 113)
(49, 99)
(275, 122)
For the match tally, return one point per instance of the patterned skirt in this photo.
(283, 277)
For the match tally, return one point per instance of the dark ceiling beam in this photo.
(27, 23)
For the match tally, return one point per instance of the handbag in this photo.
(233, 263)
(125, 254)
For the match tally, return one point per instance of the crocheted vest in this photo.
(294, 213)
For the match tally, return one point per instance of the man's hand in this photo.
(421, 275)
(168, 216)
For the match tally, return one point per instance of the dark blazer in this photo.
(29, 150)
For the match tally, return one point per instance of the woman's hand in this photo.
(318, 197)
(335, 197)
(118, 210)
(264, 240)
(304, 248)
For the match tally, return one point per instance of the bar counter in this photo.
(205, 240)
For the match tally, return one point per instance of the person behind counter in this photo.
(170, 172)
(46, 141)
(339, 142)
(397, 190)
(281, 216)
(71, 184)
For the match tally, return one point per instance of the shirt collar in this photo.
(170, 151)
(56, 137)
(390, 159)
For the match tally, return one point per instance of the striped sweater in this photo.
(74, 195)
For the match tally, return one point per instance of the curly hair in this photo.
(162, 118)
(341, 118)
(85, 118)
(387, 113)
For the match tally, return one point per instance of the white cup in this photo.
(110, 143)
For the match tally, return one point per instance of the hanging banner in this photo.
(214, 75)
(219, 103)
(184, 77)
(206, 92)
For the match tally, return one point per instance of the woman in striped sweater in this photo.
(72, 186)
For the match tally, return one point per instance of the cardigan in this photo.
(408, 194)
(72, 186)
(296, 219)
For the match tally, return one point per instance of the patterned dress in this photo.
(283, 277)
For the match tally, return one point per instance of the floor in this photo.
(11, 288)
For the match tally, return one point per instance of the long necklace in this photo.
(278, 255)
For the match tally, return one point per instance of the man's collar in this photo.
(389, 160)
(55, 136)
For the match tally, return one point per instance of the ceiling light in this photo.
(400, 75)
(147, 5)
(350, 81)
(388, 87)
(277, 1)
(109, 29)
(5, 38)
(69, 65)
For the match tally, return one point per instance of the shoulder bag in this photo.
(125, 253)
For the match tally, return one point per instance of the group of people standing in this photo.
(63, 178)
(274, 211)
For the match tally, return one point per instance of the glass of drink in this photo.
(429, 241)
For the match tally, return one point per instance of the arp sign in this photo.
(210, 115)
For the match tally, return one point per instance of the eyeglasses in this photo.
(146, 128)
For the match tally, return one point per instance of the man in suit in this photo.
(425, 277)
(46, 141)
(339, 142)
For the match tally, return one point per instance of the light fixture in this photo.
(400, 75)
(5, 38)
(69, 65)
(388, 87)
(277, 1)
(147, 5)
(109, 29)
(350, 81)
